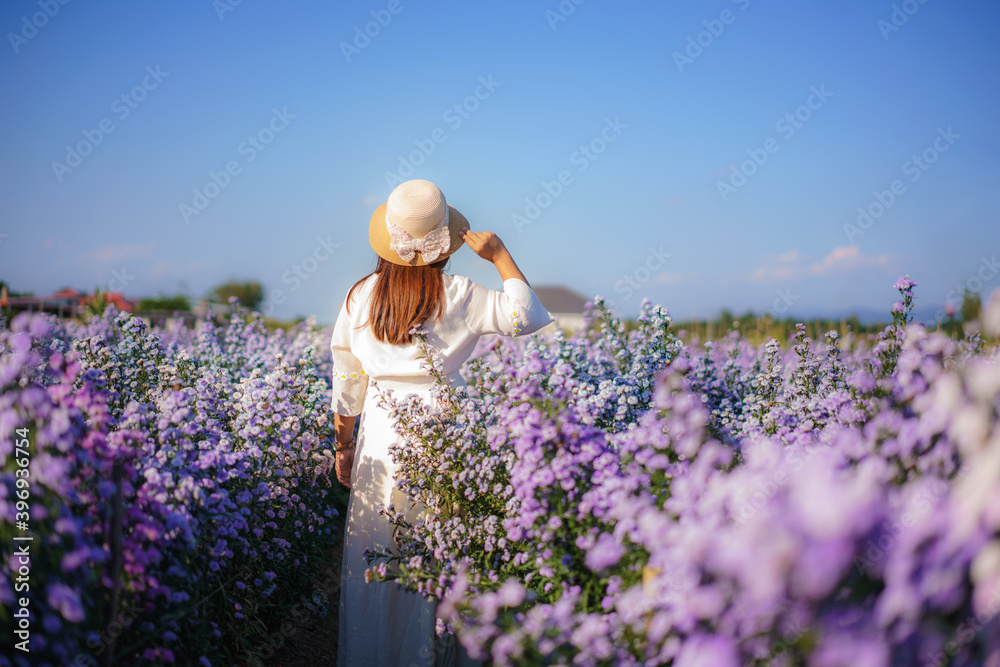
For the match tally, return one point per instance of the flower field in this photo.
(171, 489)
(623, 498)
(620, 496)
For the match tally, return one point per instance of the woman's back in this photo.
(413, 233)
(470, 311)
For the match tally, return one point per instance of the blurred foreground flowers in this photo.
(622, 498)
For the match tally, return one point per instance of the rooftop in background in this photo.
(558, 299)
(67, 302)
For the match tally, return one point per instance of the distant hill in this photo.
(866, 314)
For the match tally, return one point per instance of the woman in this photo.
(413, 234)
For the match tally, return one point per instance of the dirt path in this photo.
(313, 642)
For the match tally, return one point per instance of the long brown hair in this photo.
(404, 297)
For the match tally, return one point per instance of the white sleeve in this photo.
(516, 311)
(349, 380)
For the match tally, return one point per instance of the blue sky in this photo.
(711, 154)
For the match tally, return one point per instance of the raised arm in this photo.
(489, 246)
(514, 311)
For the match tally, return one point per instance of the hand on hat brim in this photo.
(485, 244)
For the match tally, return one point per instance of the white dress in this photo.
(380, 624)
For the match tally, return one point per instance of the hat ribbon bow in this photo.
(431, 246)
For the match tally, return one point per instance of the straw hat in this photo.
(416, 226)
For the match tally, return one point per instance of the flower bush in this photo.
(612, 497)
(621, 498)
(210, 448)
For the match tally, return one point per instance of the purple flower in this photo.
(707, 650)
(66, 601)
(605, 553)
(842, 487)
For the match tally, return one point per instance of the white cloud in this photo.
(667, 278)
(789, 264)
(790, 256)
(780, 266)
(116, 253)
(768, 272)
(847, 257)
